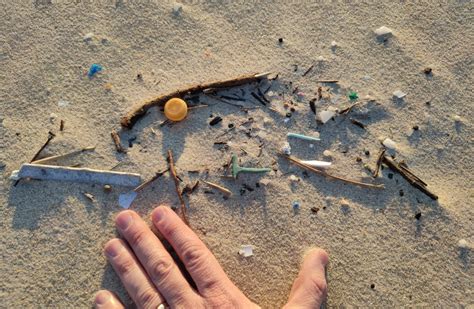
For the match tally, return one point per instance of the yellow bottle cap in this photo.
(176, 109)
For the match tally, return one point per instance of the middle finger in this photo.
(157, 262)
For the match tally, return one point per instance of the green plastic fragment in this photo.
(353, 95)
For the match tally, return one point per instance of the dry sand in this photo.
(52, 235)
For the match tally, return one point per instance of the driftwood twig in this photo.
(379, 163)
(117, 143)
(176, 184)
(409, 176)
(139, 110)
(314, 170)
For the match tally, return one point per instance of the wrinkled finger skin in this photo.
(151, 276)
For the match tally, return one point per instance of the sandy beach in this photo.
(394, 247)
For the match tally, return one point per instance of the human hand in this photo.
(153, 279)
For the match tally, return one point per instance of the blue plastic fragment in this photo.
(95, 68)
(296, 205)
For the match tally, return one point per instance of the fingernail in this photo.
(123, 220)
(113, 249)
(102, 297)
(157, 215)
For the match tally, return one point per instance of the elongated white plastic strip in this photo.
(62, 173)
(316, 163)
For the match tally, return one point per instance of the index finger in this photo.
(196, 257)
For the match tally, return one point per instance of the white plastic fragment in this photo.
(88, 37)
(325, 116)
(390, 144)
(399, 94)
(304, 137)
(321, 59)
(457, 118)
(63, 173)
(316, 163)
(246, 250)
(286, 149)
(383, 32)
(63, 103)
(463, 244)
(333, 44)
(126, 199)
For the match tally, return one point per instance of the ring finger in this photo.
(132, 275)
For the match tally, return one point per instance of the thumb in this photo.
(310, 288)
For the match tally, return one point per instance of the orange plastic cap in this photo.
(176, 109)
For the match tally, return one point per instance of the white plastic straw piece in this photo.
(304, 137)
(62, 173)
(316, 163)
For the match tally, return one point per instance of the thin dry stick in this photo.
(308, 70)
(61, 156)
(223, 190)
(409, 176)
(354, 182)
(176, 184)
(51, 135)
(328, 81)
(139, 110)
(116, 139)
(146, 183)
(379, 163)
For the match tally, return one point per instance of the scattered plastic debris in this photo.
(353, 96)
(325, 116)
(383, 32)
(286, 149)
(63, 173)
(126, 199)
(457, 118)
(88, 37)
(176, 109)
(94, 69)
(334, 44)
(246, 250)
(399, 94)
(296, 205)
(89, 196)
(390, 144)
(108, 86)
(463, 244)
(304, 137)
(316, 163)
(63, 103)
(294, 178)
(236, 169)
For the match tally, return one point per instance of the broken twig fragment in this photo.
(117, 143)
(223, 190)
(314, 170)
(409, 176)
(139, 110)
(176, 184)
(379, 163)
(61, 156)
(61, 173)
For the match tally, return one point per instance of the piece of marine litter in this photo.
(94, 69)
(246, 250)
(236, 169)
(63, 173)
(303, 137)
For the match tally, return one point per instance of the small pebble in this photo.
(390, 176)
(265, 182)
(294, 178)
(416, 128)
(107, 188)
(367, 153)
(457, 118)
(280, 40)
(177, 9)
(89, 196)
(286, 149)
(327, 153)
(372, 286)
(52, 117)
(401, 192)
(359, 159)
(333, 44)
(215, 121)
(383, 32)
(230, 125)
(325, 116)
(296, 205)
(418, 216)
(288, 115)
(321, 59)
(428, 70)
(314, 210)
